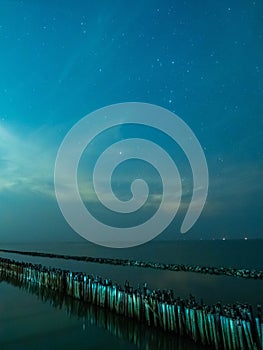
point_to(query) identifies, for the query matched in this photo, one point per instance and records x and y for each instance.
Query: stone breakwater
(228, 271)
(217, 326)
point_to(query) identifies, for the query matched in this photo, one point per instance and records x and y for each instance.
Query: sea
(37, 322)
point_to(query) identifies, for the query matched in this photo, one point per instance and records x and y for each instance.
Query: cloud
(26, 161)
(27, 164)
(239, 185)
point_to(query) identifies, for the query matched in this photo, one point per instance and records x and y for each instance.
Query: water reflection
(141, 336)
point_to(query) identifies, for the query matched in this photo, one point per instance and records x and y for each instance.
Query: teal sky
(63, 60)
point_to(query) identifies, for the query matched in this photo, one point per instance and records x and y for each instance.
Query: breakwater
(212, 270)
(218, 326)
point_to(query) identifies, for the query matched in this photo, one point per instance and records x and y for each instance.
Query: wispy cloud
(26, 161)
(238, 185)
(27, 165)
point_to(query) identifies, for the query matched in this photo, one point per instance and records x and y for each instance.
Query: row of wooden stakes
(128, 329)
(219, 326)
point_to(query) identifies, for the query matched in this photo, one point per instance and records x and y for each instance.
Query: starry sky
(62, 60)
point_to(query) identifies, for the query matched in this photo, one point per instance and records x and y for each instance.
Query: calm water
(28, 323)
(28, 320)
(34, 318)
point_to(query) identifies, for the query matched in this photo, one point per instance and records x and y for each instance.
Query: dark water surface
(33, 324)
(29, 323)
(36, 318)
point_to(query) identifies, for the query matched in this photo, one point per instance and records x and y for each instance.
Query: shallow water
(33, 324)
(39, 319)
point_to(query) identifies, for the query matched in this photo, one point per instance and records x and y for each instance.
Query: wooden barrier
(123, 328)
(219, 326)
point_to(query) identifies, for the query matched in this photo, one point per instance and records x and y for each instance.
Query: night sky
(61, 60)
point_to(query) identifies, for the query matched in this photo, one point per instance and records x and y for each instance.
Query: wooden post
(229, 327)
